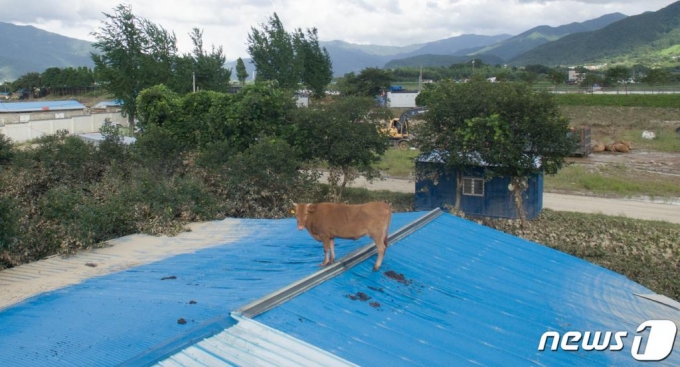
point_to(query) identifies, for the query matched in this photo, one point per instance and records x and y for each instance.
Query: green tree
(209, 67)
(134, 54)
(317, 69)
(290, 59)
(618, 75)
(207, 117)
(28, 81)
(241, 72)
(345, 134)
(369, 83)
(557, 77)
(590, 80)
(156, 105)
(528, 77)
(656, 76)
(273, 54)
(506, 125)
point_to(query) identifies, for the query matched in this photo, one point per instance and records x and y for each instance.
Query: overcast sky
(227, 23)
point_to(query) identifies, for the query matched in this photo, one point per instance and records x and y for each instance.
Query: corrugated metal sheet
(451, 293)
(250, 343)
(17, 107)
(133, 315)
(457, 293)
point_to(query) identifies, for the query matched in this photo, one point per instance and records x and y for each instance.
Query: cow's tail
(387, 230)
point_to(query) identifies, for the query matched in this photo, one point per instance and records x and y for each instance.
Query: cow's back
(349, 221)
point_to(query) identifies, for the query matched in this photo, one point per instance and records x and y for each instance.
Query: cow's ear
(311, 208)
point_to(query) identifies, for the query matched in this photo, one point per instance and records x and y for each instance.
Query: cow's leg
(380, 244)
(332, 250)
(327, 250)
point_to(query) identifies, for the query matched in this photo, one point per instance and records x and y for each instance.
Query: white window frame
(472, 189)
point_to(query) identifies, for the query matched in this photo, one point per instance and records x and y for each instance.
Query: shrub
(6, 150)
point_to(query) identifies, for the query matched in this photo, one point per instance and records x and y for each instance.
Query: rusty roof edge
(284, 294)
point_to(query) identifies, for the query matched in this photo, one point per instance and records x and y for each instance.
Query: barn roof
(450, 292)
(41, 106)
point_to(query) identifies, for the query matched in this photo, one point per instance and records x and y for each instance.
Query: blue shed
(450, 293)
(480, 196)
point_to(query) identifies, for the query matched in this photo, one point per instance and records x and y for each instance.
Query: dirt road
(561, 202)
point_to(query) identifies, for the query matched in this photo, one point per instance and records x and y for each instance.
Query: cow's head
(301, 212)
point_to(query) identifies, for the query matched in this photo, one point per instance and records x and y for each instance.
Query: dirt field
(610, 121)
(640, 160)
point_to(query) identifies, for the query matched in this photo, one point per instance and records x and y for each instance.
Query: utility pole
(193, 78)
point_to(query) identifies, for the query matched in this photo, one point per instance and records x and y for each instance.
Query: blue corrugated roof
(450, 293)
(41, 106)
(469, 295)
(111, 319)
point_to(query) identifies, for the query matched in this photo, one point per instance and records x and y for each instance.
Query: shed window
(473, 186)
(59, 115)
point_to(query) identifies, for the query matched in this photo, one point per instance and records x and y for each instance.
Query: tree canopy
(241, 72)
(515, 131)
(346, 135)
(290, 59)
(368, 83)
(134, 54)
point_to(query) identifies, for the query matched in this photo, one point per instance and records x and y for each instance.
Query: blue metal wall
(497, 202)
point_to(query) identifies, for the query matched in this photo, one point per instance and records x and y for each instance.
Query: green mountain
(440, 60)
(349, 57)
(25, 49)
(646, 38)
(540, 35)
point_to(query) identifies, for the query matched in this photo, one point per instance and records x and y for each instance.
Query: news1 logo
(658, 346)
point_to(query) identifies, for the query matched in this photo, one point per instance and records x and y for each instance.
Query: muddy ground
(645, 161)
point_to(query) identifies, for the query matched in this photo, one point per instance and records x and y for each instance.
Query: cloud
(227, 23)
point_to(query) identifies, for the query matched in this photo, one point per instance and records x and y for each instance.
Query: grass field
(612, 180)
(398, 163)
(619, 100)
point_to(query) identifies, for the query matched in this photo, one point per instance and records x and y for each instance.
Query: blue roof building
(480, 196)
(450, 292)
(40, 106)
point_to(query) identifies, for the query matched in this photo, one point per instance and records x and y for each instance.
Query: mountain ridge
(25, 49)
(643, 34)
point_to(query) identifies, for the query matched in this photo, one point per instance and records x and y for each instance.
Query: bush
(160, 151)
(260, 182)
(6, 150)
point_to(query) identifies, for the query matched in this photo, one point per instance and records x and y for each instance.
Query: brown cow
(326, 221)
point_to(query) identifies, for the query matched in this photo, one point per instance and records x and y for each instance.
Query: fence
(22, 132)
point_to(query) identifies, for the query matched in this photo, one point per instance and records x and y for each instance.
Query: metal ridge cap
(282, 295)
